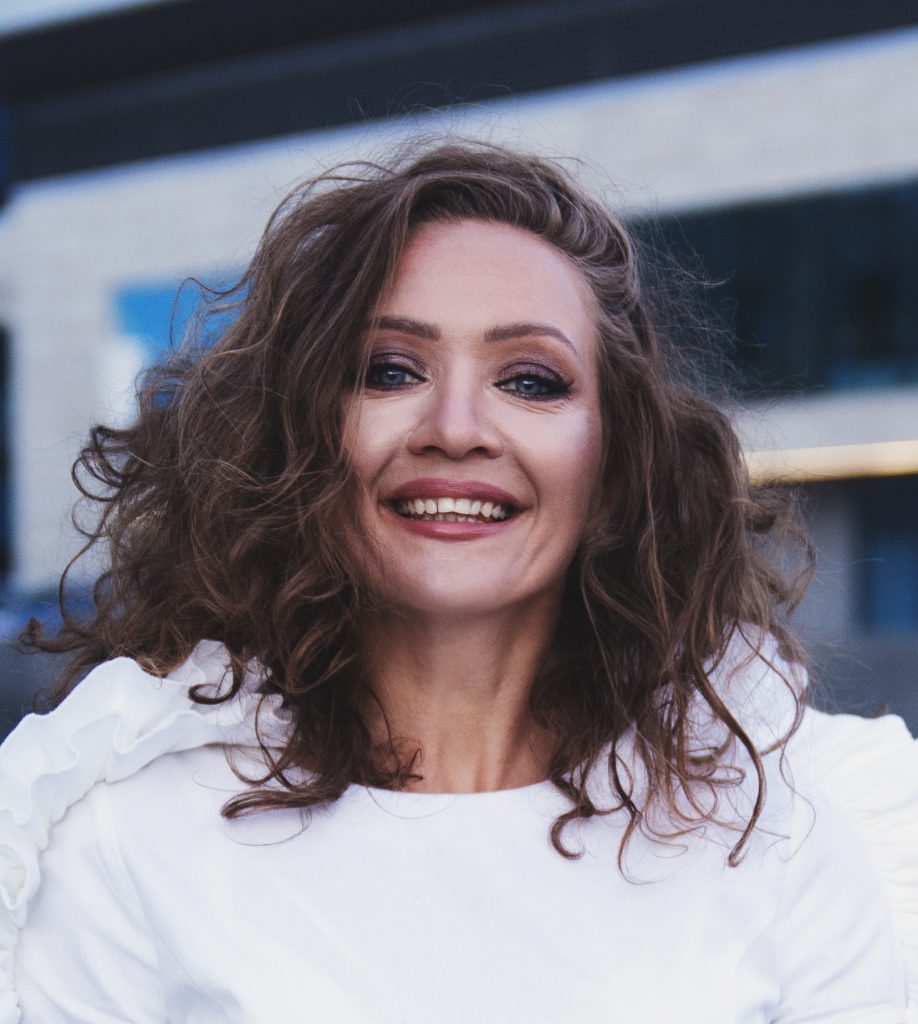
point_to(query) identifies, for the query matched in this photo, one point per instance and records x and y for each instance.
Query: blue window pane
(155, 314)
(159, 314)
(892, 581)
(887, 566)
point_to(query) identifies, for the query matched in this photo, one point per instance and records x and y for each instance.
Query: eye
(539, 384)
(388, 375)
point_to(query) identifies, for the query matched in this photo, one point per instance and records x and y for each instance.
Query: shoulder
(849, 786)
(866, 768)
(867, 765)
(116, 724)
(171, 812)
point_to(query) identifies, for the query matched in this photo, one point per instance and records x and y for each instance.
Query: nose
(457, 420)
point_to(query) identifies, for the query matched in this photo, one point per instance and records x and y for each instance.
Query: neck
(457, 689)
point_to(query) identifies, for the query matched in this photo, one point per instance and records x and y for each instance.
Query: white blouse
(397, 907)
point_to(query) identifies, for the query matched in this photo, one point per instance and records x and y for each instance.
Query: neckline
(421, 795)
(412, 804)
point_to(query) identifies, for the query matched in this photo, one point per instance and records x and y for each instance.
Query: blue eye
(386, 376)
(539, 386)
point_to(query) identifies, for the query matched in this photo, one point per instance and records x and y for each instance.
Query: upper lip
(437, 487)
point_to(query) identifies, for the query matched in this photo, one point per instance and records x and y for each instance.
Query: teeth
(452, 510)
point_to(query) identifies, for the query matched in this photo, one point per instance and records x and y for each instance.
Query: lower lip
(441, 529)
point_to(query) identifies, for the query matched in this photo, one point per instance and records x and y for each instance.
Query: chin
(461, 595)
(451, 603)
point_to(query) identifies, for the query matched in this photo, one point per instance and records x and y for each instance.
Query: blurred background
(774, 146)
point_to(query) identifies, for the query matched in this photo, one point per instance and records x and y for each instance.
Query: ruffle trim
(115, 722)
(870, 768)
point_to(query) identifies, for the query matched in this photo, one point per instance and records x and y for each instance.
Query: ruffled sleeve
(115, 722)
(867, 767)
(870, 768)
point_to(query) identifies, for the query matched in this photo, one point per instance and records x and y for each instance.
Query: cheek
(570, 453)
(367, 440)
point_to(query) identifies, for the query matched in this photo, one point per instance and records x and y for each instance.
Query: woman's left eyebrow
(503, 332)
(507, 332)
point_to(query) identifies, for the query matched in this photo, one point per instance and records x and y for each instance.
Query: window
(820, 291)
(888, 526)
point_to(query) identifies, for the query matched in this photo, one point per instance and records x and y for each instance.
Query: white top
(396, 907)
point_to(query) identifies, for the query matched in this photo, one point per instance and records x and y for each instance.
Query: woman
(439, 672)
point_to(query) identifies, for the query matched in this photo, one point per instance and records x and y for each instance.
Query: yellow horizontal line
(833, 462)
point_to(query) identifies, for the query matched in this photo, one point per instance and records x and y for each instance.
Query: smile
(452, 510)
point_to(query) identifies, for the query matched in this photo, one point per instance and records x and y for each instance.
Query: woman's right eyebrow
(406, 325)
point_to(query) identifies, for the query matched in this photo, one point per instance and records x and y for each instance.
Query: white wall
(826, 116)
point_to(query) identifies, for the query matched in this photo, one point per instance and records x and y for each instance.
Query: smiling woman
(467, 402)
(433, 557)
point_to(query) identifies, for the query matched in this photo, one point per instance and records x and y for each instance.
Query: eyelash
(554, 386)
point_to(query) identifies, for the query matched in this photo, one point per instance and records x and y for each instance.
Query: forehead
(466, 271)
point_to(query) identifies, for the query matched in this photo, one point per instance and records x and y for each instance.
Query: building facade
(778, 155)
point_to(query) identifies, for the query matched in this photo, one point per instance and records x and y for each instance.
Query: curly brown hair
(226, 511)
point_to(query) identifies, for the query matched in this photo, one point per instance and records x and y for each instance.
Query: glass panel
(820, 291)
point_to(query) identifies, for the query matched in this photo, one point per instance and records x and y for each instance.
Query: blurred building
(145, 142)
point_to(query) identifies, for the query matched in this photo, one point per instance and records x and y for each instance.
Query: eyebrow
(405, 325)
(507, 332)
(504, 332)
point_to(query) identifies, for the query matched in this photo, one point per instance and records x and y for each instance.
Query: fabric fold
(119, 719)
(870, 768)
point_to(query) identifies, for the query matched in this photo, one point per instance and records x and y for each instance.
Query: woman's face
(476, 437)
